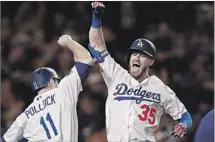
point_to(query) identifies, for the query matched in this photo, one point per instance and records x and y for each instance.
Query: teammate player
(136, 101)
(52, 116)
(205, 131)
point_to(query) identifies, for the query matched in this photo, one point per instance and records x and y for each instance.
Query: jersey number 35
(148, 114)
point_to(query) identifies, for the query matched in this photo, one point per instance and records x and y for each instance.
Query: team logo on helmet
(140, 43)
(35, 84)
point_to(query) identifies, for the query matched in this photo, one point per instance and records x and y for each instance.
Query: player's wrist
(184, 125)
(99, 56)
(96, 22)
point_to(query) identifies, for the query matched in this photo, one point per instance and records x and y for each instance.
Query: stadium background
(183, 33)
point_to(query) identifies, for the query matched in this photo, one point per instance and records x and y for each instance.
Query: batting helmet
(142, 45)
(41, 77)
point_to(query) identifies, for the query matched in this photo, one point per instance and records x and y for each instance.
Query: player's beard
(138, 73)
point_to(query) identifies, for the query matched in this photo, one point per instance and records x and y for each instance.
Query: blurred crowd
(183, 33)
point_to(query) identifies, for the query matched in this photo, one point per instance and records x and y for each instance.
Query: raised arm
(96, 38)
(80, 53)
(71, 84)
(111, 71)
(83, 59)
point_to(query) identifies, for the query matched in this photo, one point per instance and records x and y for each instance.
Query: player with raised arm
(52, 116)
(136, 100)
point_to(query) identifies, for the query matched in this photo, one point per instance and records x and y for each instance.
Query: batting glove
(179, 130)
(97, 9)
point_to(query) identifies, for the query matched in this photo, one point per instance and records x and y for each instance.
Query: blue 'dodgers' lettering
(124, 93)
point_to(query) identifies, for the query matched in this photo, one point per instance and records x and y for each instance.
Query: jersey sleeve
(71, 85)
(111, 70)
(173, 106)
(15, 132)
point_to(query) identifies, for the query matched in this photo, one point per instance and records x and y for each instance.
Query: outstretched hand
(97, 9)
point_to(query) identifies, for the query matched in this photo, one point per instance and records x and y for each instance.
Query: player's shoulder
(161, 85)
(29, 106)
(34, 102)
(156, 82)
(72, 74)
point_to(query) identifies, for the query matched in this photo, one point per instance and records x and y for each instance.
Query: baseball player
(205, 131)
(136, 101)
(52, 116)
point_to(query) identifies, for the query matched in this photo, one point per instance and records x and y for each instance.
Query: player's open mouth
(135, 65)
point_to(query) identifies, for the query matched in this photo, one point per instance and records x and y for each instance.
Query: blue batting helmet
(142, 45)
(41, 77)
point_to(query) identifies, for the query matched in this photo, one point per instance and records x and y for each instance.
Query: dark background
(183, 33)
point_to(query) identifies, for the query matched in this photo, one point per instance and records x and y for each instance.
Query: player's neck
(51, 85)
(44, 90)
(143, 77)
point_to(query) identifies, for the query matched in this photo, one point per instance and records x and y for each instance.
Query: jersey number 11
(49, 119)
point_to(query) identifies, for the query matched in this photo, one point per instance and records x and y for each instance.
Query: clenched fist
(65, 40)
(97, 9)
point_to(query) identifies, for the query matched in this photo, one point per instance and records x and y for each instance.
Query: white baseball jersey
(133, 109)
(52, 116)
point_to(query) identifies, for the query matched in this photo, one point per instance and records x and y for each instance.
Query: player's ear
(152, 62)
(53, 82)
